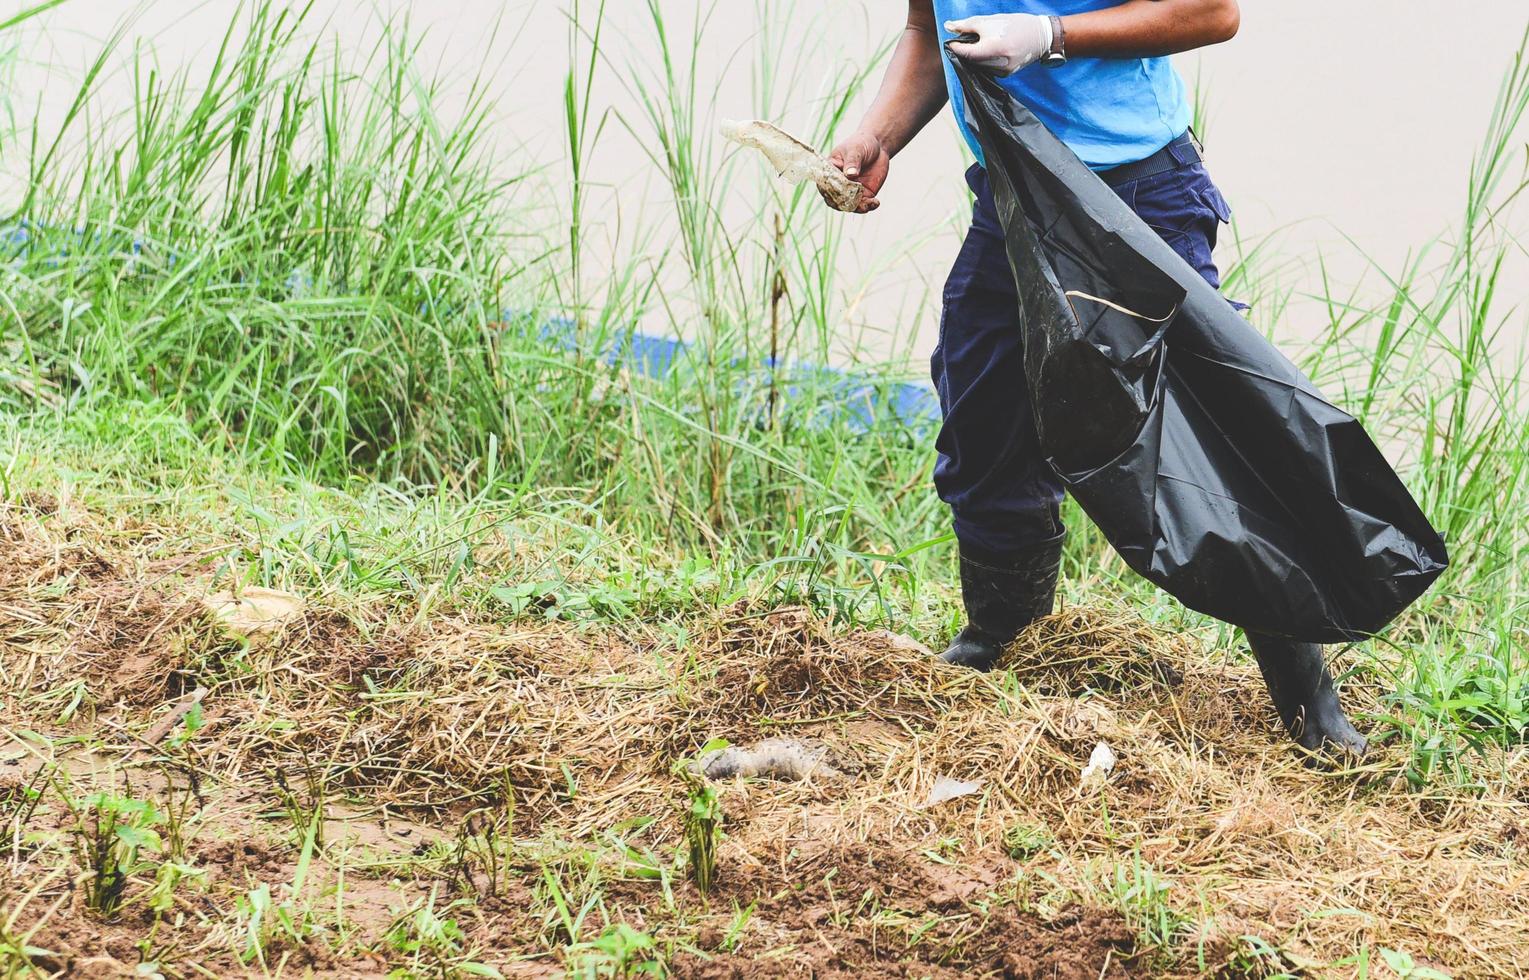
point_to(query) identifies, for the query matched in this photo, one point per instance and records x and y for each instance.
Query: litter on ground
(1101, 762)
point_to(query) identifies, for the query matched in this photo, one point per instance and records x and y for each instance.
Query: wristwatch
(1057, 56)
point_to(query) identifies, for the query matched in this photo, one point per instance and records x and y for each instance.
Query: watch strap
(1057, 55)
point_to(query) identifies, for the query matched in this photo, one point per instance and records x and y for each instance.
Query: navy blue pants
(1003, 494)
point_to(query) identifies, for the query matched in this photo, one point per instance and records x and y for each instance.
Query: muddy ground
(357, 792)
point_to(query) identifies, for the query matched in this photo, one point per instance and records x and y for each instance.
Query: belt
(1182, 152)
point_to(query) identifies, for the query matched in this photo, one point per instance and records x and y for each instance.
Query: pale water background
(1342, 129)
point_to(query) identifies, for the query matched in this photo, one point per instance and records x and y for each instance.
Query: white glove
(1006, 42)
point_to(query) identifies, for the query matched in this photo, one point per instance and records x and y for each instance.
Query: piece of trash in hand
(1100, 764)
(775, 758)
(795, 161)
(946, 789)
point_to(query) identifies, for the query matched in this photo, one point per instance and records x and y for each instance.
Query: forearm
(1150, 28)
(913, 91)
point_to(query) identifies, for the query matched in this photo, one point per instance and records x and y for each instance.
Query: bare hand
(864, 160)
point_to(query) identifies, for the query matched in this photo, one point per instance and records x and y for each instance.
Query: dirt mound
(793, 667)
(82, 616)
(1082, 650)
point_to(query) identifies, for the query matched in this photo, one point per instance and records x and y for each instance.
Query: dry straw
(588, 726)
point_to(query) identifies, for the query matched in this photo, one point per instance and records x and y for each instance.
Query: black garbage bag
(1213, 466)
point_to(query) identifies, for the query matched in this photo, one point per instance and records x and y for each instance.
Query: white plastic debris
(898, 641)
(795, 161)
(254, 610)
(946, 789)
(1100, 764)
(776, 758)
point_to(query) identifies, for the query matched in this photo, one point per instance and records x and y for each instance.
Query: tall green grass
(1435, 367)
(296, 261)
(325, 266)
(300, 256)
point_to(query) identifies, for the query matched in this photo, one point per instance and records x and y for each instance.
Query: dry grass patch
(518, 781)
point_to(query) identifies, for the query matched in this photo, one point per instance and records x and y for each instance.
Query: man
(1096, 73)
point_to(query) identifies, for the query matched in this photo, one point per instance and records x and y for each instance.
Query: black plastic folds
(1208, 460)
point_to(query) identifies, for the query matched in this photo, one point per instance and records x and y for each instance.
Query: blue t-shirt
(1110, 111)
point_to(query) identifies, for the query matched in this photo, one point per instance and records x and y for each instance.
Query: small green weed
(1406, 968)
(194, 721)
(169, 877)
(1135, 888)
(1399, 964)
(434, 944)
(569, 902)
(1256, 959)
(266, 924)
(636, 862)
(1025, 840)
(110, 833)
(702, 822)
(620, 951)
(306, 809)
(732, 938)
(485, 846)
(18, 804)
(180, 802)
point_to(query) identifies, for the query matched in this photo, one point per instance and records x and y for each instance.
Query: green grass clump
(111, 831)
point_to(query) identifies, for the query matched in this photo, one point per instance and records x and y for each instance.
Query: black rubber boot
(1001, 601)
(1302, 689)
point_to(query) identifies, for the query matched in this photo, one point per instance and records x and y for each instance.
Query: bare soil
(566, 740)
